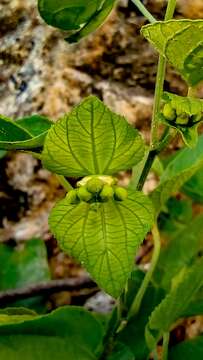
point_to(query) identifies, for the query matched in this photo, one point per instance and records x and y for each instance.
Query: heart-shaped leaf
(185, 105)
(79, 16)
(104, 236)
(25, 133)
(66, 333)
(92, 140)
(181, 42)
(187, 350)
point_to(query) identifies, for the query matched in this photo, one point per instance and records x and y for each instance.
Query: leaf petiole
(144, 11)
(64, 182)
(166, 338)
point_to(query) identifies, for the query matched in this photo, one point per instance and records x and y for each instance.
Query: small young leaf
(182, 168)
(188, 350)
(174, 304)
(91, 140)
(181, 42)
(190, 115)
(25, 133)
(104, 236)
(66, 333)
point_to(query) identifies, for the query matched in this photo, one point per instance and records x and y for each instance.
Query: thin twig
(46, 288)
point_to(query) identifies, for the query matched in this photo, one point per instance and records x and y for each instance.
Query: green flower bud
(83, 194)
(106, 193)
(168, 112)
(94, 185)
(182, 119)
(120, 194)
(72, 197)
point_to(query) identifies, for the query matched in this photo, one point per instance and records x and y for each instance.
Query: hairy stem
(166, 338)
(144, 11)
(141, 292)
(160, 82)
(65, 183)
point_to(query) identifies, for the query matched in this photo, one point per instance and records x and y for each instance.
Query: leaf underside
(25, 133)
(92, 140)
(103, 236)
(181, 42)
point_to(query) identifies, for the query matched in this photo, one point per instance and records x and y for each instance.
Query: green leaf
(104, 236)
(97, 20)
(25, 133)
(181, 169)
(188, 350)
(91, 140)
(67, 333)
(174, 304)
(24, 265)
(2, 153)
(80, 16)
(121, 352)
(181, 42)
(187, 105)
(179, 252)
(194, 187)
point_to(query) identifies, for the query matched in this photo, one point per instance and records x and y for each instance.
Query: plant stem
(166, 338)
(144, 11)
(150, 159)
(140, 294)
(160, 82)
(34, 154)
(67, 186)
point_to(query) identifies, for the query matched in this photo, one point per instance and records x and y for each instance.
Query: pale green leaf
(188, 350)
(25, 133)
(104, 237)
(91, 140)
(66, 333)
(175, 302)
(181, 169)
(181, 42)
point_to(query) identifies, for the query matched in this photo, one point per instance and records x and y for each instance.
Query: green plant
(102, 224)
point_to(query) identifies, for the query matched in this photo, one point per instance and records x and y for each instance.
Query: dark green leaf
(175, 303)
(26, 133)
(194, 187)
(188, 350)
(80, 16)
(121, 352)
(67, 333)
(181, 169)
(104, 236)
(181, 42)
(98, 18)
(92, 140)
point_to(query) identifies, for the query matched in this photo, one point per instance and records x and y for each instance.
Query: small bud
(106, 193)
(83, 194)
(94, 185)
(72, 197)
(120, 194)
(168, 112)
(182, 119)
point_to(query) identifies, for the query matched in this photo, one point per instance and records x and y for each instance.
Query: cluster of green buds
(97, 189)
(175, 117)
